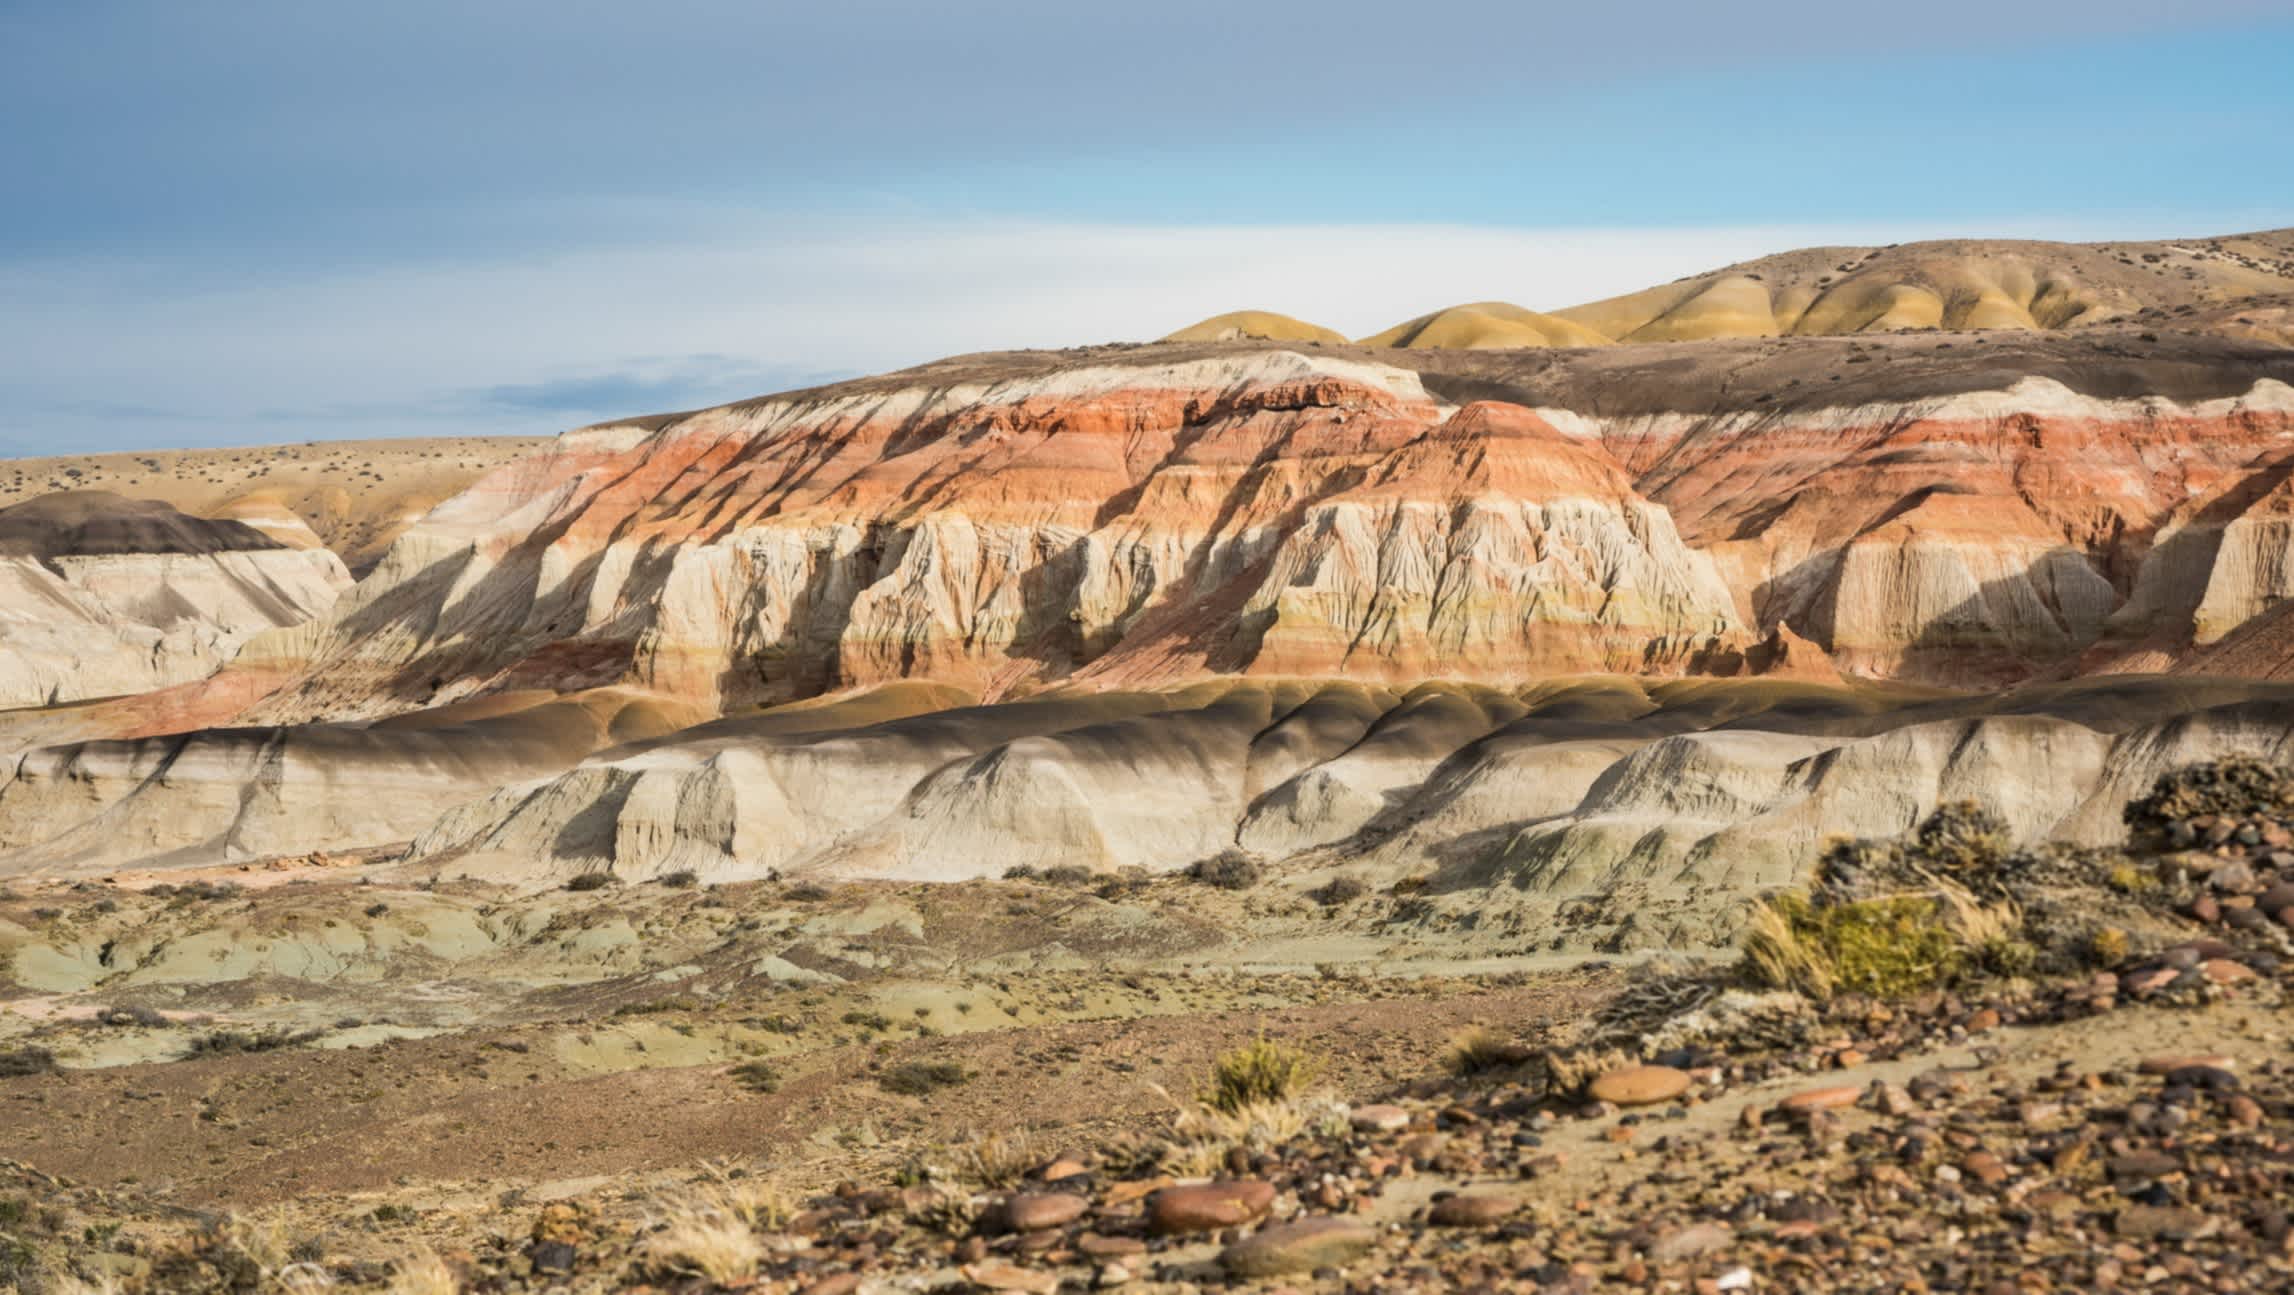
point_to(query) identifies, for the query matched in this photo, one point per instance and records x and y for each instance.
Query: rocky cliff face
(1493, 617)
(1173, 513)
(1256, 511)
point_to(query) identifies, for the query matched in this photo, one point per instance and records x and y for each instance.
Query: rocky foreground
(1951, 1066)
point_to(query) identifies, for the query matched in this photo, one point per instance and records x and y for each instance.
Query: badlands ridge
(1598, 634)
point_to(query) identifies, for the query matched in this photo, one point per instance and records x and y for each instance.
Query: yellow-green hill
(1256, 325)
(1487, 326)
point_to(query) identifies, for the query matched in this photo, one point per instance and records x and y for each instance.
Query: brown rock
(1820, 1099)
(1472, 1210)
(2148, 982)
(997, 1275)
(1639, 1085)
(2171, 1062)
(1208, 1206)
(1106, 1247)
(1985, 1168)
(1891, 1100)
(1126, 1192)
(1380, 1118)
(1040, 1210)
(1689, 1242)
(2223, 971)
(1301, 1246)
(2169, 1222)
(1423, 1146)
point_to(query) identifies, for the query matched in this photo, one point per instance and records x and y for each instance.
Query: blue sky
(264, 220)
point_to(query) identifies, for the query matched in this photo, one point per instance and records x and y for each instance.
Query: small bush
(592, 881)
(808, 892)
(149, 1017)
(682, 879)
(1020, 872)
(2237, 786)
(1963, 836)
(26, 1061)
(1478, 1050)
(2129, 879)
(919, 1078)
(1887, 948)
(377, 909)
(757, 1076)
(654, 1006)
(876, 1021)
(225, 1043)
(1230, 870)
(1067, 874)
(2108, 947)
(1339, 891)
(1260, 1073)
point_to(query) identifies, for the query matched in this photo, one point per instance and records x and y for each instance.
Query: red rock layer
(1269, 512)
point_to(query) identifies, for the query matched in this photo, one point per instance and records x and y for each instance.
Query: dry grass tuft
(757, 1204)
(1478, 1050)
(423, 1273)
(699, 1237)
(999, 1160)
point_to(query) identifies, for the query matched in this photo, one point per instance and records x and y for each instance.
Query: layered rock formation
(1630, 622)
(1263, 511)
(102, 596)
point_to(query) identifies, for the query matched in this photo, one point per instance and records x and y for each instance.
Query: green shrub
(1339, 891)
(1887, 948)
(1229, 870)
(757, 1076)
(592, 881)
(224, 1043)
(26, 1061)
(1262, 1072)
(919, 1078)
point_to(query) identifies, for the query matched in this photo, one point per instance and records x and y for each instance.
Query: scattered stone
(1472, 1210)
(1035, 1212)
(1690, 1242)
(1639, 1085)
(2165, 1222)
(997, 1275)
(1820, 1099)
(1301, 1246)
(2167, 1065)
(1380, 1118)
(1209, 1206)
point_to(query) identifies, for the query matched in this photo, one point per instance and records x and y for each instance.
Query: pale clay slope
(77, 626)
(1528, 808)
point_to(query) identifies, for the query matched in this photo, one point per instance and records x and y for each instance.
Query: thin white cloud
(433, 349)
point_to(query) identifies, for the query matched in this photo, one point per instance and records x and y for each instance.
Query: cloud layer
(108, 355)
